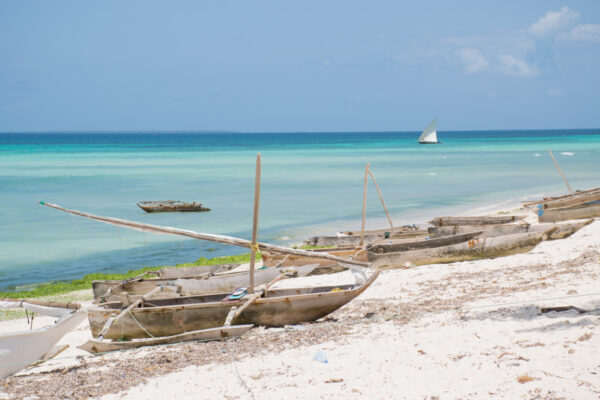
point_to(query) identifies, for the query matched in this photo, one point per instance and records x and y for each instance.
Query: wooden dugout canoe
(173, 316)
(352, 238)
(405, 245)
(589, 210)
(271, 259)
(193, 285)
(482, 247)
(222, 332)
(170, 206)
(577, 193)
(502, 219)
(563, 230)
(571, 201)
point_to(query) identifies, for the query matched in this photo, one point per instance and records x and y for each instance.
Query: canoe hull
(291, 306)
(591, 210)
(472, 250)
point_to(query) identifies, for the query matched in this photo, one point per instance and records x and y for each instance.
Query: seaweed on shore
(54, 288)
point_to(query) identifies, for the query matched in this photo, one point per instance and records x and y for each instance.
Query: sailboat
(429, 135)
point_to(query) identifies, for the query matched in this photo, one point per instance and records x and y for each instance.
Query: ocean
(312, 183)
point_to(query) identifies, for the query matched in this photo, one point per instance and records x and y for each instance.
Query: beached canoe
(577, 193)
(20, 349)
(406, 245)
(503, 219)
(572, 201)
(192, 285)
(482, 247)
(563, 230)
(588, 210)
(173, 316)
(170, 206)
(270, 259)
(352, 238)
(203, 335)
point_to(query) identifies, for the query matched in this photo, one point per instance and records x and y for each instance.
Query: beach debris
(320, 357)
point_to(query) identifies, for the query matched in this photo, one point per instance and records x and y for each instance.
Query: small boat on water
(21, 349)
(429, 135)
(170, 206)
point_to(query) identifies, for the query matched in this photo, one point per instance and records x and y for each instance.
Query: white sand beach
(477, 329)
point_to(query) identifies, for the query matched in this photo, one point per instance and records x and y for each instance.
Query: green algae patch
(55, 288)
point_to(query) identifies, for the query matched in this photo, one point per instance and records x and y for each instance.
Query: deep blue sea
(311, 183)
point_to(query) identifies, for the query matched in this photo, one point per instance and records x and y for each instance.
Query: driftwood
(422, 244)
(504, 219)
(473, 249)
(590, 210)
(101, 346)
(172, 316)
(203, 236)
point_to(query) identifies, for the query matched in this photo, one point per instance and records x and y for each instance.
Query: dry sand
(463, 330)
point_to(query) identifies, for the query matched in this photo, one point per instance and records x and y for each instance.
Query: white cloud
(554, 21)
(585, 32)
(473, 60)
(513, 66)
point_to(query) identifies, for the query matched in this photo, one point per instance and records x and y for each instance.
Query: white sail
(429, 135)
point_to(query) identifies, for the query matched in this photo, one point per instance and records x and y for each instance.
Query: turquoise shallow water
(311, 182)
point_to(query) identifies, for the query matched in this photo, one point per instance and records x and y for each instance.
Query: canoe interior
(406, 244)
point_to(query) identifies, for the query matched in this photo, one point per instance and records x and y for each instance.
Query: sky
(281, 66)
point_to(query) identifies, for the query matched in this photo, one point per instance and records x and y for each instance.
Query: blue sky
(298, 66)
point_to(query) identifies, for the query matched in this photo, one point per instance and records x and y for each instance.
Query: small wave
(537, 155)
(432, 173)
(443, 157)
(567, 153)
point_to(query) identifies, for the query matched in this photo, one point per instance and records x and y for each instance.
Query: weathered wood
(73, 306)
(193, 286)
(271, 259)
(406, 245)
(364, 210)
(253, 247)
(382, 201)
(471, 250)
(560, 171)
(566, 196)
(182, 314)
(571, 201)
(136, 303)
(197, 271)
(503, 219)
(563, 230)
(170, 206)
(202, 236)
(337, 241)
(589, 210)
(222, 332)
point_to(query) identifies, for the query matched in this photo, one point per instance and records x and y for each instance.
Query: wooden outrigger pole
(560, 172)
(206, 236)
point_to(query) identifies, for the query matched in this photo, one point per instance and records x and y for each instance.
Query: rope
(254, 247)
(140, 325)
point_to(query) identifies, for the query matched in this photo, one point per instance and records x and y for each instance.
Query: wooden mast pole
(364, 214)
(382, 202)
(560, 171)
(253, 245)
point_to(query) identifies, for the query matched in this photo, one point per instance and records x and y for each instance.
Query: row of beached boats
(219, 301)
